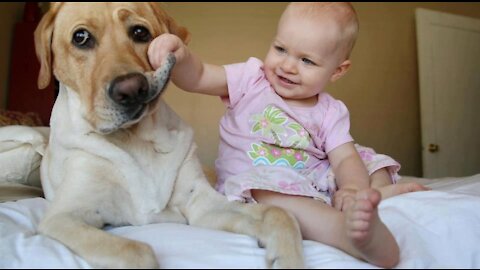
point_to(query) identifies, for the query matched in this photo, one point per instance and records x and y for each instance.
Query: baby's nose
(289, 65)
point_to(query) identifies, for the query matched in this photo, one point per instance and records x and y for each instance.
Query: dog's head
(100, 51)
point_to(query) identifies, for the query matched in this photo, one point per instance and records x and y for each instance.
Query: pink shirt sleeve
(240, 77)
(336, 125)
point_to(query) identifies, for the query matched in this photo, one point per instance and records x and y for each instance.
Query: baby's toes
(361, 215)
(412, 187)
(363, 206)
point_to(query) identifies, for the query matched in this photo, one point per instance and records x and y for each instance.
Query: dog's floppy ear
(43, 40)
(180, 31)
(170, 23)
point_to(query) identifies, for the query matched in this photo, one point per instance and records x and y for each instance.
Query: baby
(286, 142)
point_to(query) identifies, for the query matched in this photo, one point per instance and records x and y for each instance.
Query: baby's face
(303, 57)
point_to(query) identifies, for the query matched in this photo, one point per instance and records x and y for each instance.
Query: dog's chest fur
(136, 166)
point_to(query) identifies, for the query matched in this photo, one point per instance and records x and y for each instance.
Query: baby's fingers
(161, 47)
(338, 202)
(156, 53)
(348, 202)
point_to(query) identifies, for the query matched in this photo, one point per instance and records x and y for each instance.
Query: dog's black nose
(129, 90)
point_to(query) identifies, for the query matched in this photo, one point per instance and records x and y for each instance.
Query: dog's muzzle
(131, 93)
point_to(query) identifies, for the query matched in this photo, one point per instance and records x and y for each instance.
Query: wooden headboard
(23, 93)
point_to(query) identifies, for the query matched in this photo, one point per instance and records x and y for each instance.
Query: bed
(435, 229)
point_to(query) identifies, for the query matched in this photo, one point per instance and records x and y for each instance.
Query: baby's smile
(285, 80)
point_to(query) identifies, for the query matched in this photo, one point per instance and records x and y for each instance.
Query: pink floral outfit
(266, 144)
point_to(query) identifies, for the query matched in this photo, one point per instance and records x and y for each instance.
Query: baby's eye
(308, 61)
(279, 49)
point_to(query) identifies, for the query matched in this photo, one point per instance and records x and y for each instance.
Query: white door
(449, 75)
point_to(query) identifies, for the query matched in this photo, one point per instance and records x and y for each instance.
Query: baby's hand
(343, 197)
(162, 45)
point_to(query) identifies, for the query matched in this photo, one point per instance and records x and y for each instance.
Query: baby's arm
(189, 72)
(351, 175)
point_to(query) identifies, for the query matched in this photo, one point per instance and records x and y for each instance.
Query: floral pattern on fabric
(289, 136)
(268, 154)
(270, 123)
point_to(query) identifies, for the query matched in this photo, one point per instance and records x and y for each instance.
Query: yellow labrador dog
(118, 154)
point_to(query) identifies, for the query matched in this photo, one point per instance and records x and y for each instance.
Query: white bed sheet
(435, 229)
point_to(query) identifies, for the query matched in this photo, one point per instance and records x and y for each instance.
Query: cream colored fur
(102, 169)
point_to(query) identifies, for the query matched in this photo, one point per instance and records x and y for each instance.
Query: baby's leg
(354, 231)
(381, 180)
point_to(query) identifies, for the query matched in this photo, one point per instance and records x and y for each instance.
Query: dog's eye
(83, 39)
(140, 34)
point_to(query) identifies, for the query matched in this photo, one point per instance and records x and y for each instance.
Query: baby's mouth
(283, 79)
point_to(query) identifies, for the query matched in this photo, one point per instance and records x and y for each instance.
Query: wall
(10, 13)
(381, 89)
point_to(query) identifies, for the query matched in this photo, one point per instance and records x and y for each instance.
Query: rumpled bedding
(434, 229)
(21, 151)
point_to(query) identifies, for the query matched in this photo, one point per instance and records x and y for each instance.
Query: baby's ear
(341, 70)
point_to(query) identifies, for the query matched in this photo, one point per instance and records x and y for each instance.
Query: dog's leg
(100, 249)
(275, 229)
(83, 203)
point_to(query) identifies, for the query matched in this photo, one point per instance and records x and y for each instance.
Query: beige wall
(10, 13)
(381, 89)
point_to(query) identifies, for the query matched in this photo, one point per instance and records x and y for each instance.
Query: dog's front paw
(128, 255)
(290, 262)
(143, 257)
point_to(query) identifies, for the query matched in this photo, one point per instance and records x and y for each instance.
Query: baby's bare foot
(362, 215)
(401, 188)
(367, 233)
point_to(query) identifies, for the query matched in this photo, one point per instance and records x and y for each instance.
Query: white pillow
(21, 151)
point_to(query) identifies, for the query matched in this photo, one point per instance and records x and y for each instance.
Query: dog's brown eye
(140, 34)
(83, 39)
